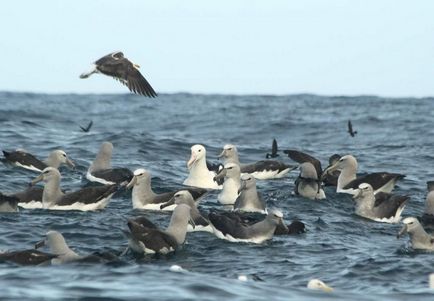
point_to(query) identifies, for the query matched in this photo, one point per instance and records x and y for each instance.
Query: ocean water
(361, 259)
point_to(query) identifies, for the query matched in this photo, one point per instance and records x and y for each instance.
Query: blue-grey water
(361, 259)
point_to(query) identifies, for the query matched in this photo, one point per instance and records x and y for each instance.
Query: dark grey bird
(86, 128)
(88, 198)
(348, 181)
(350, 129)
(26, 160)
(381, 207)
(200, 222)
(329, 179)
(143, 197)
(122, 69)
(234, 230)
(8, 203)
(101, 170)
(274, 150)
(149, 240)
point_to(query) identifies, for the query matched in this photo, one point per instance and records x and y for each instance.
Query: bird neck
(52, 192)
(102, 161)
(429, 204)
(143, 193)
(52, 161)
(178, 227)
(347, 175)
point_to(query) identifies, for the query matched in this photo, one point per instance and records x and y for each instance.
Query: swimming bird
(316, 284)
(87, 128)
(348, 182)
(234, 230)
(26, 160)
(262, 170)
(231, 175)
(308, 184)
(30, 198)
(200, 222)
(296, 227)
(249, 199)
(329, 179)
(8, 203)
(27, 257)
(350, 129)
(274, 150)
(151, 240)
(122, 69)
(101, 170)
(427, 218)
(199, 174)
(88, 198)
(380, 207)
(143, 197)
(419, 239)
(58, 247)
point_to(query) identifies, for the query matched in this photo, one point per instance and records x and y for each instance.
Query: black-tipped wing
(274, 148)
(265, 165)
(376, 180)
(215, 167)
(115, 175)
(124, 71)
(301, 157)
(87, 195)
(197, 193)
(387, 204)
(33, 193)
(144, 222)
(26, 257)
(152, 238)
(163, 197)
(25, 159)
(227, 225)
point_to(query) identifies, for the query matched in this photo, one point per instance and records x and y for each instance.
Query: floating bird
(151, 240)
(348, 182)
(8, 203)
(27, 257)
(25, 160)
(308, 184)
(101, 170)
(122, 69)
(231, 175)
(87, 128)
(329, 179)
(274, 150)
(419, 239)
(249, 199)
(143, 197)
(199, 174)
(316, 284)
(381, 207)
(262, 170)
(88, 198)
(234, 230)
(427, 218)
(296, 227)
(350, 129)
(200, 222)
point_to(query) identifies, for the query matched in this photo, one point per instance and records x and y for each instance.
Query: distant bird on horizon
(125, 71)
(350, 129)
(87, 128)
(274, 150)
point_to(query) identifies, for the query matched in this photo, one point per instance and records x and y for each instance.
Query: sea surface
(361, 259)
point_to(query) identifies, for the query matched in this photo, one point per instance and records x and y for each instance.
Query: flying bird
(350, 129)
(87, 128)
(122, 69)
(274, 150)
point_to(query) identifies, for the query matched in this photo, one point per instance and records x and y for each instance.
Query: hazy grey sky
(226, 46)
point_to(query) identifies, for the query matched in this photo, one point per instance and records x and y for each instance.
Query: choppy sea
(361, 259)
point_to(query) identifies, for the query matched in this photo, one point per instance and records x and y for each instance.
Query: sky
(334, 47)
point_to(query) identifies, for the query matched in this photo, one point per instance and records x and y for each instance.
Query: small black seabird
(274, 150)
(350, 129)
(125, 71)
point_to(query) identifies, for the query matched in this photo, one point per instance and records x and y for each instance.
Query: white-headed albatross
(199, 174)
(419, 239)
(262, 170)
(88, 198)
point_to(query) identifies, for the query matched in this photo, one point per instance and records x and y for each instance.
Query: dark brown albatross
(122, 69)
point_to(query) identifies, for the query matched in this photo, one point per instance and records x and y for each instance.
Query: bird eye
(340, 160)
(64, 155)
(230, 148)
(47, 171)
(229, 167)
(411, 223)
(199, 150)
